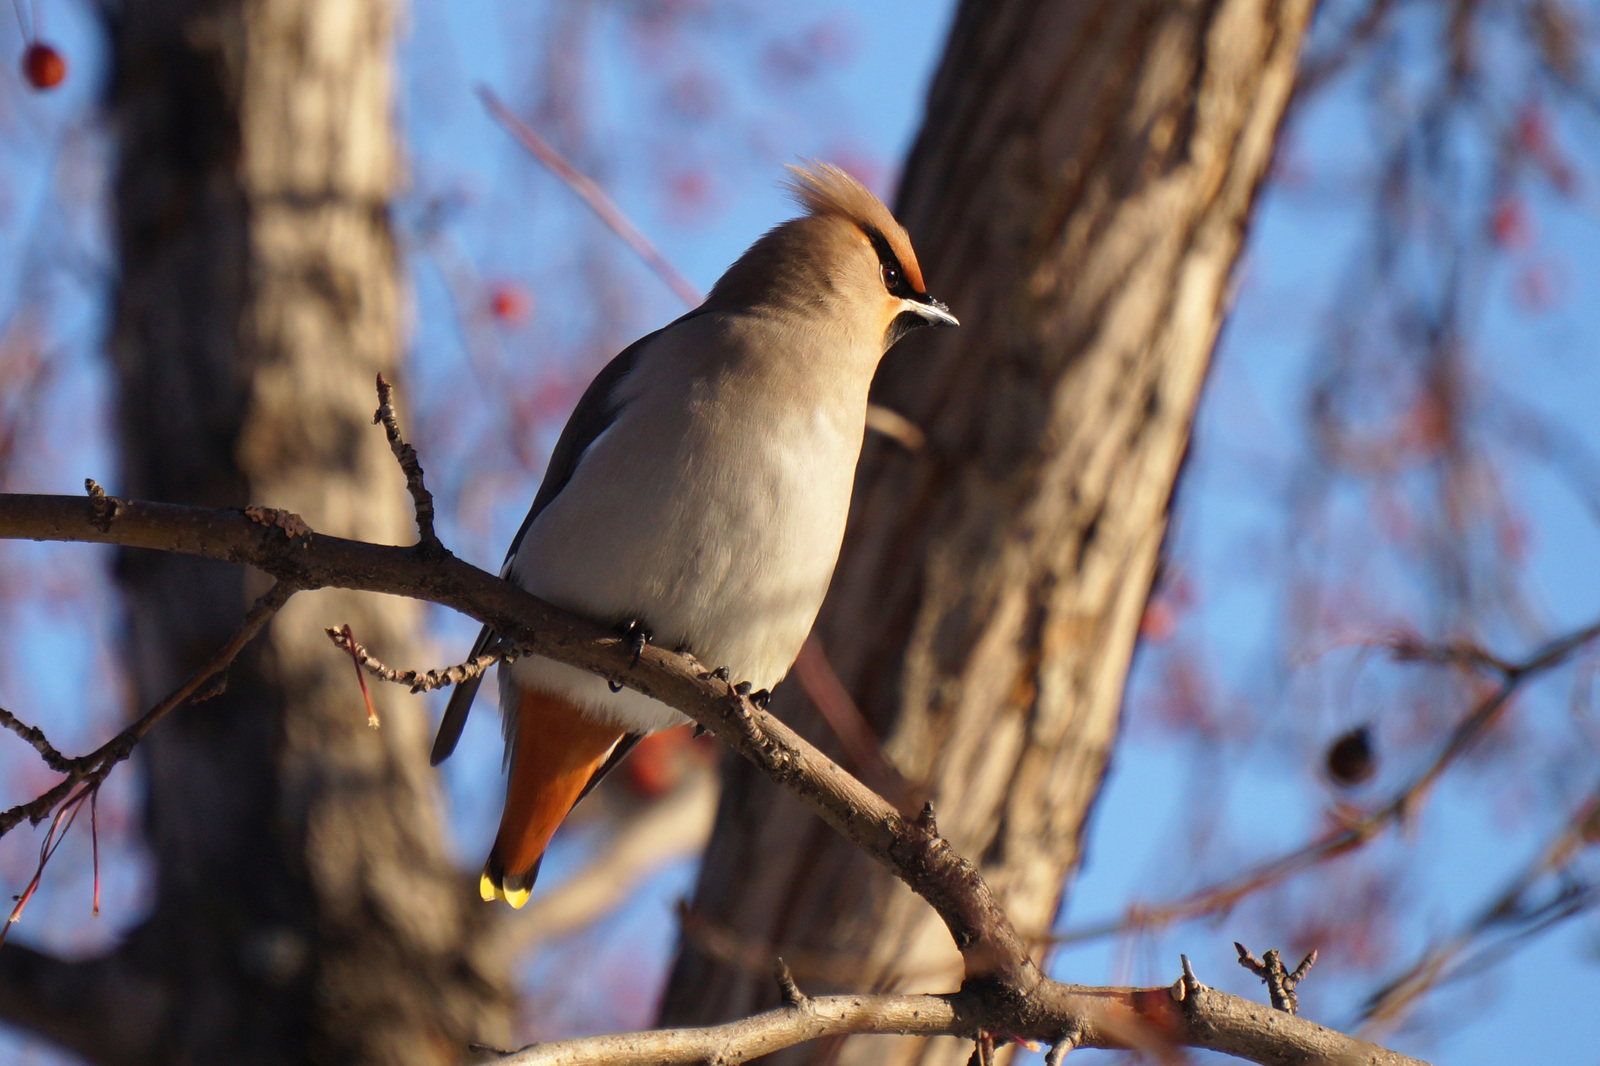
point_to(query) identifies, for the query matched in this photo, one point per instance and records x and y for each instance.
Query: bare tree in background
(306, 909)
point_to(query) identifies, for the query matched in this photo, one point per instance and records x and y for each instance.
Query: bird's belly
(729, 563)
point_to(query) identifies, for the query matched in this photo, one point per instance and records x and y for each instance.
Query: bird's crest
(824, 189)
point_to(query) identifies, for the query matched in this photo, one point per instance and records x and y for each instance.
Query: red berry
(1509, 224)
(510, 304)
(43, 66)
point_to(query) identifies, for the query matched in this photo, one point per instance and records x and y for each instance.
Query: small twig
(406, 455)
(590, 192)
(349, 640)
(850, 727)
(891, 424)
(1058, 1050)
(102, 508)
(1510, 912)
(427, 680)
(896, 427)
(786, 985)
(94, 848)
(52, 840)
(93, 767)
(1188, 985)
(1280, 982)
(1406, 647)
(36, 740)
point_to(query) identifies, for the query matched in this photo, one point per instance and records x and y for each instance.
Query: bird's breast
(716, 522)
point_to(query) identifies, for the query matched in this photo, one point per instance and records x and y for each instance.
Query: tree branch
(1188, 1013)
(415, 681)
(1004, 992)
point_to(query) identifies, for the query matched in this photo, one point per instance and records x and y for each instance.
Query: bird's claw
(637, 637)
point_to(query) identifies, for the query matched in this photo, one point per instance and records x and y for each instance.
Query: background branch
(102, 1009)
(1361, 830)
(91, 769)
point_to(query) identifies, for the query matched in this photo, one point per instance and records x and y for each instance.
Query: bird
(697, 497)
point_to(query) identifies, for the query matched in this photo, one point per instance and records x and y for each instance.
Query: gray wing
(596, 410)
(455, 712)
(618, 753)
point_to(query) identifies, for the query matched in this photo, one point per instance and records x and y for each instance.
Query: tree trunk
(1078, 195)
(305, 908)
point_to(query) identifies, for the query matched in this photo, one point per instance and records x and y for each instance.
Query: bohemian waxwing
(698, 494)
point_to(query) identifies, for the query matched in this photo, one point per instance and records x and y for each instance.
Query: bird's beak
(930, 311)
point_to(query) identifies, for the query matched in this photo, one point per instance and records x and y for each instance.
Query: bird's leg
(638, 636)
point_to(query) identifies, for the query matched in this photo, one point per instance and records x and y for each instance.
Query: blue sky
(505, 221)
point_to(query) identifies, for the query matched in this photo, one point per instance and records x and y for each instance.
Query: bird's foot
(637, 636)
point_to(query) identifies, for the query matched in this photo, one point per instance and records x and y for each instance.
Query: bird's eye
(891, 277)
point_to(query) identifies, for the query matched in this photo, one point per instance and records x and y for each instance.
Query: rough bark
(1079, 195)
(305, 909)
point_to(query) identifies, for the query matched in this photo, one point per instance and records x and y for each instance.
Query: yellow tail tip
(489, 890)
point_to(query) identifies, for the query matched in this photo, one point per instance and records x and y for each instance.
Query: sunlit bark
(1078, 194)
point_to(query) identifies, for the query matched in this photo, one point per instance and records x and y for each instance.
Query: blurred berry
(510, 304)
(1351, 758)
(43, 66)
(658, 763)
(1509, 225)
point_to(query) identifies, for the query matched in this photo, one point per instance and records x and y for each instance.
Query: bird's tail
(557, 749)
